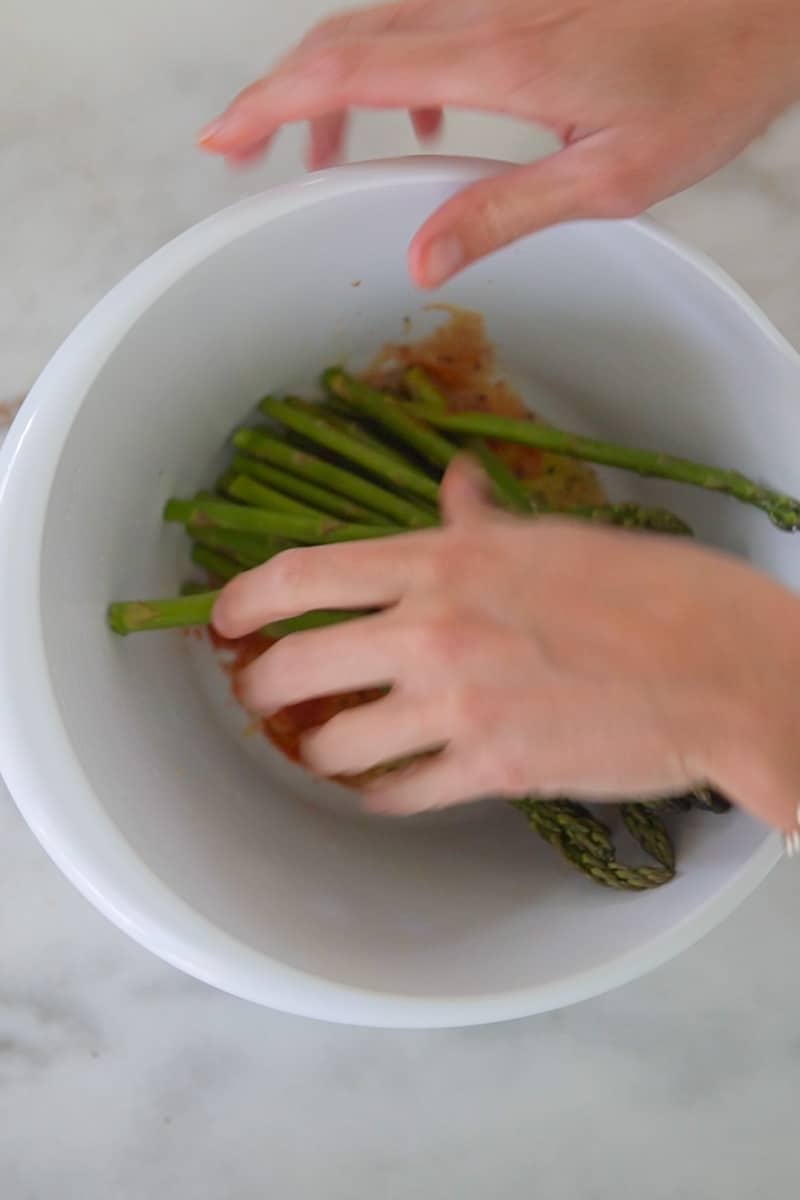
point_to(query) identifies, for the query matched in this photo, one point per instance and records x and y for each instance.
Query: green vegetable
(376, 462)
(389, 413)
(259, 495)
(320, 499)
(195, 608)
(315, 470)
(287, 496)
(247, 549)
(585, 843)
(627, 516)
(307, 529)
(217, 565)
(783, 510)
(175, 612)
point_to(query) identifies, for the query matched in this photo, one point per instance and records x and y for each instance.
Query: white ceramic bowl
(127, 758)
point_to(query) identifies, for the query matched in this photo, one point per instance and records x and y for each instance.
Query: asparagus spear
(703, 798)
(319, 498)
(247, 549)
(195, 608)
(579, 838)
(339, 419)
(385, 410)
(318, 619)
(627, 516)
(650, 832)
(217, 565)
(509, 491)
(174, 612)
(421, 388)
(260, 495)
(507, 488)
(316, 470)
(257, 495)
(783, 510)
(389, 413)
(307, 529)
(378, 463)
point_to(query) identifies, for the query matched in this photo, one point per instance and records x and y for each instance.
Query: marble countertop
(121, 1078)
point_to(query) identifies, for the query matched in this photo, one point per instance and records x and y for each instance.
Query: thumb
(580, 181)
(464, 494)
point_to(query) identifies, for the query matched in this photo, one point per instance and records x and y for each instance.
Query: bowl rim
(37, 761)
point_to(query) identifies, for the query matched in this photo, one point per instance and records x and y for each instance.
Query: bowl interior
(607, 330)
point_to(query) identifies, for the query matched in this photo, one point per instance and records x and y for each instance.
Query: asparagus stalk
(315, 470)
(377, 462)
(647, 828)
(421, 388)
(174, 612)
(585, 843)
(509, 491)
(389, 413)
(260, 495)
(247, 549)
(507, 488)
(317, 619)
(386, 411)
(257, 495)
(321, 499)
(217, 565)
(307, 529)
(704, 799)
(339, 419)
(195, 608)
(783, 510)
(627, 516)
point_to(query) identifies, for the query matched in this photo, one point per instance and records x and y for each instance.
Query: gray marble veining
(121, 1078)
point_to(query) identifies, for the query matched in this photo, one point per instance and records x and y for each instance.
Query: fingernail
(225, 131)
(210, 132)
(445, 256)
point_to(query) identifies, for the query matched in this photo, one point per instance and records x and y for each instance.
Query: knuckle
(334, 63)
(327, 29)
(289, 570)
(231, 604)
(621, 190)
(491, 222)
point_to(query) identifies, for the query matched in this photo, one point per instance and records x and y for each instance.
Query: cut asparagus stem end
(174, 612)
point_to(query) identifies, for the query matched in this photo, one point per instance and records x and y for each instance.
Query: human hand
(541, 655)
(646, 99)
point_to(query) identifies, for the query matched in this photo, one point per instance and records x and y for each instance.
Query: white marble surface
(120, 1078)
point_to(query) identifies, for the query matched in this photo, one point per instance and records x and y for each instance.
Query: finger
(564, 186)
(326, 140)
(245, 158)
(401, 70)
(427, 123)
(464, 493)
(440, 782)
(379, 732)
(352, 657)
(369, 574)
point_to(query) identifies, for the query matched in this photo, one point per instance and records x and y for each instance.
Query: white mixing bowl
(127, 757)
